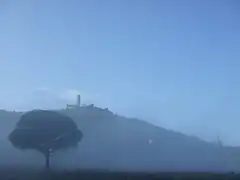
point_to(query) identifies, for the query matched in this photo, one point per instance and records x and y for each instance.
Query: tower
(78, 100)
(77, 105)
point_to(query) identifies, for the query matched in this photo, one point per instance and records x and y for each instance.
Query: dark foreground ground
(17, 174)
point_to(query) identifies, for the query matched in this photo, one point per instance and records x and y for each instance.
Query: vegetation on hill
(119, 143)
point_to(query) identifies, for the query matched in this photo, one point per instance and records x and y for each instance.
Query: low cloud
(46, 97)
(69, 95)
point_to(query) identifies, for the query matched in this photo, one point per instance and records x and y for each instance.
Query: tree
(46, 132)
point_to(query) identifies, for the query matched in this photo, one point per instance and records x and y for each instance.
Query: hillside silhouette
(115, 142)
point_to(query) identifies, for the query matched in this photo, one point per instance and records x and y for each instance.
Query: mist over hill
(118, 143)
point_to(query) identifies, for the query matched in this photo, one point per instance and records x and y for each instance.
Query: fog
(168, 71)
(113, 142)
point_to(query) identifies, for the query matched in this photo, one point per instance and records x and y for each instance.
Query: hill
(119, 143)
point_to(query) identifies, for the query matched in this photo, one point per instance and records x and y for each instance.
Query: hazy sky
(173, 63)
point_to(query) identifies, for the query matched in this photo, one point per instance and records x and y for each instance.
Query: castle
(75, 106)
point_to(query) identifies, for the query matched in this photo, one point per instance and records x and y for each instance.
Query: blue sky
(173, 63)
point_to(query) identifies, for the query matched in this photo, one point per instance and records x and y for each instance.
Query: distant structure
(219, 142)
(75, 106)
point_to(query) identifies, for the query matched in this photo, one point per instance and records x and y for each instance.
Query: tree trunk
(47, 156)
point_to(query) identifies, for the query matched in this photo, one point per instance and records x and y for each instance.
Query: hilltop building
(77, 105)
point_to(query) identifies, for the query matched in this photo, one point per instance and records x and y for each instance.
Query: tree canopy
(43, 130)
